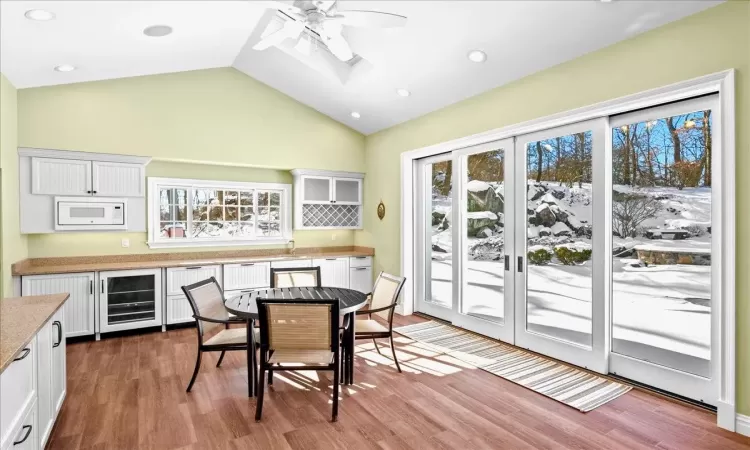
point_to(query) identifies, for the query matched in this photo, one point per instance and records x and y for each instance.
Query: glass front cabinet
(327, 200)
(129, 299)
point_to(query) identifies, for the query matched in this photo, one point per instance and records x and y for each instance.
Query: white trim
(87, 156)
(743, 425)
(722, 82)
(327, 173)
(153, 213)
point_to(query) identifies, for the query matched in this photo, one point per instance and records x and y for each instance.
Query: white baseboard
(743, 425)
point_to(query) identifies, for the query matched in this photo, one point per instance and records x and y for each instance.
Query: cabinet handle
(248, 264)
(59, 333)
(91, 286)
(193, 268)
(507, 262)
(361, 268)
(94, 192)
(25, 352)
(102, 283)
(330, 259)
(25, 436)
(360, 257)
(88, 192)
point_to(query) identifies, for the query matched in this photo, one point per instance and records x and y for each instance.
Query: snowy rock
(536, 191)
(533, 232)
(549, 198)
(437, 217)
(437, 248)
(573, 223)
(483, 197)
(444, 225)
(485, 233)
(544, 231)
(560, 229)
(488, 249)
(477, 220)
(543, 216)
(561, 215)
(558, 194)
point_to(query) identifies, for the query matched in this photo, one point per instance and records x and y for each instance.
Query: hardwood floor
(129, 392)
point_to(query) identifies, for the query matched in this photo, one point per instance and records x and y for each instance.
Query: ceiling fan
(323, 18)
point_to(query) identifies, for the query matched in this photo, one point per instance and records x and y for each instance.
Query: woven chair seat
(231, 336)
(322, 357)
(369, 326)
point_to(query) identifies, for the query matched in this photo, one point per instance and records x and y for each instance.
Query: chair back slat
(295, 277)
(207, 300)
(299, 324)
(386, 291)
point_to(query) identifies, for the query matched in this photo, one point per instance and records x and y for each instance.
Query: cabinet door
(247, 275)
(17, 390)
(51, 176)
(58, 376)
(79, 309)
(183, 276)
(45, 338)
(317, 189)
(178, 310)
(347, 191)
(334, 272)
(26, 434)
(360, 279)
(112, 179)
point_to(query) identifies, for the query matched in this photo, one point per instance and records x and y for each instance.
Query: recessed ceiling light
(356, 115)
(39, 14)
(477, 56)
(403, 92)
(65, 68)
(157, 30)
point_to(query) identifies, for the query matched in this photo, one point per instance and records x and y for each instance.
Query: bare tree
(630, 211)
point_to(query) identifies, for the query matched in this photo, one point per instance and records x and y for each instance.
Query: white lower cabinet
(360, 279)
(247, 276)
(80, 309)
(33, 388)
(334, 272)
(178, 308)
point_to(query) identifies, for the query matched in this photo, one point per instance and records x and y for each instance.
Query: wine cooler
(129, 299)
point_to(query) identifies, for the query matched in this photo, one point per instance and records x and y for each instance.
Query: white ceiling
(104, 40)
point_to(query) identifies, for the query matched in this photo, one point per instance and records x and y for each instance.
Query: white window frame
(154, 236)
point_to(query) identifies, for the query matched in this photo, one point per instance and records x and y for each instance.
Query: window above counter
(200, 213)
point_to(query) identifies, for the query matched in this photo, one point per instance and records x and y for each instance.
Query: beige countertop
(41, 266)
(20, 319)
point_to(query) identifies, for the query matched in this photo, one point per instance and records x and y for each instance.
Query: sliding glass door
(560, 310)
(663, 247)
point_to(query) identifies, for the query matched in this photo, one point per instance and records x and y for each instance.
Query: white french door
(561, 261)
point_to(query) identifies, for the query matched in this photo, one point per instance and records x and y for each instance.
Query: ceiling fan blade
(281, 6)
(369, 19)
(291, 29)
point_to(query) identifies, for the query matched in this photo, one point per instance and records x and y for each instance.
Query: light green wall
(227, 125)
(708, 42)
(12, 244)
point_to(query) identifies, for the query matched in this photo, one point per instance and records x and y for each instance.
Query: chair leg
(376, 346)
(195, 371)
(261, 389)
(393, 349)
(221, 358)
(270, 377)
(336, 370)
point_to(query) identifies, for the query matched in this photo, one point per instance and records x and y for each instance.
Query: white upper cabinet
(52, 176)
(114, 179)
(68, 173)
(327, 200)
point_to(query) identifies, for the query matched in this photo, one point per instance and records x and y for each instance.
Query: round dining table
(245, 306)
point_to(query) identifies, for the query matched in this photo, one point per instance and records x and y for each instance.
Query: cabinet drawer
(360, 261)
(246, 275)
(178, 310)
(17, 390)
(183, 276)
(25, 435)
(360, 279)
(292, 263)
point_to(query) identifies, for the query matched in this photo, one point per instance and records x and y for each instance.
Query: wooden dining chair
(207, 301)
(298, 334)
(382, 302)
(295, 277)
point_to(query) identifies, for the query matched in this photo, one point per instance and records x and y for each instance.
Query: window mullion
(189, 206)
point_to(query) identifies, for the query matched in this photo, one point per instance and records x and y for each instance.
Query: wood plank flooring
(129, 392)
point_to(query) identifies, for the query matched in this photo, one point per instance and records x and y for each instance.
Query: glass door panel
(558, 259)
(662, 247)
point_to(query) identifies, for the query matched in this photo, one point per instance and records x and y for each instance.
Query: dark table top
(246, 306)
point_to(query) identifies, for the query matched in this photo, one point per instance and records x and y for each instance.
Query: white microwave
(90, 213)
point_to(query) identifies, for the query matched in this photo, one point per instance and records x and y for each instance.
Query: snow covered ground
(660, 313)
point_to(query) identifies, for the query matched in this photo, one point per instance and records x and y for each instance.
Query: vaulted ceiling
(428, 57)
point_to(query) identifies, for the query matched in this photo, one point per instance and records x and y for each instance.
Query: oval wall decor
(381, 210)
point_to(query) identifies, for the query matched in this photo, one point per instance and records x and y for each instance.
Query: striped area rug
(576, 388)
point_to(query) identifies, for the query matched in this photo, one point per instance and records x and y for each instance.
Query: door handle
(59, 333)
(520, 264)
(102, 286)
(507, 262)
(91, 286)
(26, 350)
(25, 436)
